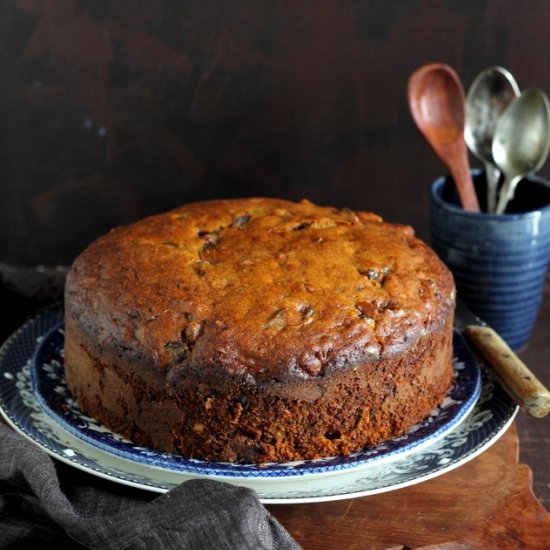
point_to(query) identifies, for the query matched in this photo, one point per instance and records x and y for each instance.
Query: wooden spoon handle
(462, 176)
(513, 375)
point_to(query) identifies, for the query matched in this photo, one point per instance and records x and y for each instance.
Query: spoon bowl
(436, 100)
(522, 141)
(490, 93)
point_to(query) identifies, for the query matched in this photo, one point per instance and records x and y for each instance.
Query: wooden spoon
(437, 103)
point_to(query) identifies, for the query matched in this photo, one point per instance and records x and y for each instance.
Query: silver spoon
(490, 93)
(522, 141)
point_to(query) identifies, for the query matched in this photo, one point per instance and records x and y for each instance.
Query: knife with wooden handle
(510, 371)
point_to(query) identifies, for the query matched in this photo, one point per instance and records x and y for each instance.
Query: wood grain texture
(487, 503)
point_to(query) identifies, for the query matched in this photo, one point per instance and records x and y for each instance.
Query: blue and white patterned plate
(48, 382)
(39, 416)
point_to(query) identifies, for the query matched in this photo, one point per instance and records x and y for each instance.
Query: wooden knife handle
(514, 376)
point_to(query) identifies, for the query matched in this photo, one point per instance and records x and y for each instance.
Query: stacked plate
(35, 401)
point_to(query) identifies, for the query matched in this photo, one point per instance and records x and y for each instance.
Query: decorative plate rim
(47, 379)
(487, 422)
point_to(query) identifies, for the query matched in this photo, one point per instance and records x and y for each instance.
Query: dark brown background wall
(111, 110)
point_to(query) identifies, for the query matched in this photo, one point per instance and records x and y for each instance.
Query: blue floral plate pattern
(35, 401)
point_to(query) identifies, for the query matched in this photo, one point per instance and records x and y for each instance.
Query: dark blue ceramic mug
(499, 262)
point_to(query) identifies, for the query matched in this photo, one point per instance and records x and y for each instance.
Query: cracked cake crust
(259, 329)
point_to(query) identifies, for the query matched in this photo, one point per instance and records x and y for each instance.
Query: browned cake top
(264, 288)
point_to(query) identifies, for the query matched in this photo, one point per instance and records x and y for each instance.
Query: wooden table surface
(534, 433)
(486, 503)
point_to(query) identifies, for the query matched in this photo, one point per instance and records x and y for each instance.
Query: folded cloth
(42, 500)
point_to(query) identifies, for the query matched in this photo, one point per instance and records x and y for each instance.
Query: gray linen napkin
(42, 500)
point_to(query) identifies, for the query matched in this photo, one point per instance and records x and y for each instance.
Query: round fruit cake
(257, 330)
